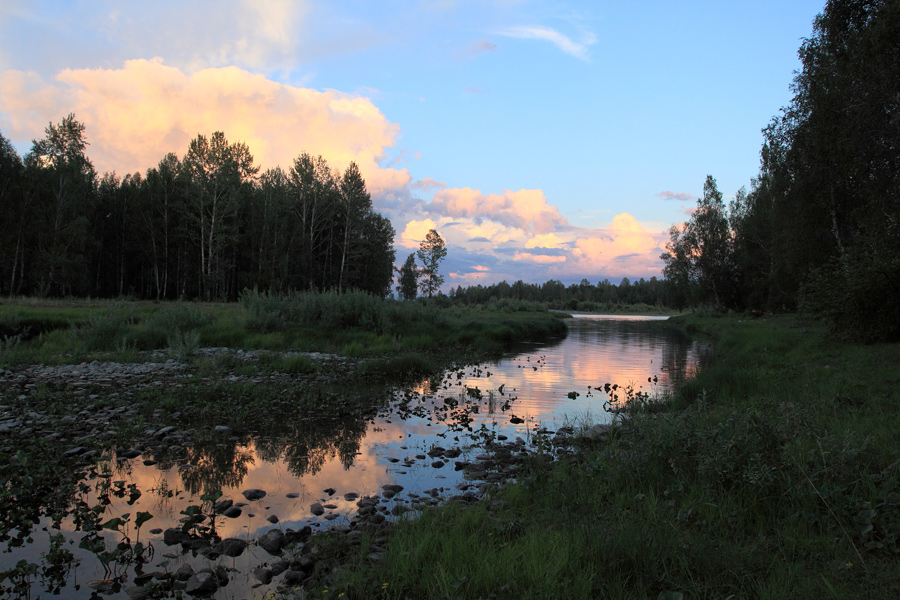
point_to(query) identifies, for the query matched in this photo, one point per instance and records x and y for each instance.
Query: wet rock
(516, 420)
(253, 494)
(278, 567)
(222, 430)
(292, 495)
(350, 496)
(596, 433)
(263, 575)
(232, 512)
(204, 583)
(196, 544)
(330, 491)
(74, 451)
(231, 547)
(452, 453)
(292, 578)
(138, 593)
(293, 537)
(104, 586)
(162, 433)
(392, 487)
(272, 541)
(222, 505)
(436, 451)
(317, 509)
(174, 536)
(272, 519)
(132, 453)
(437, 464)
(184, 572)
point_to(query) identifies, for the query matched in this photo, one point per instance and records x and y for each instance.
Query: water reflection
(354, 442)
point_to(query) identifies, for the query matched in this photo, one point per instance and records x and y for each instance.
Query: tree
(700, 252)
(355, 204)
(14, 211)
(408, 278)
(63, 182)
(830, 178)
(431, 252)
(218, 171)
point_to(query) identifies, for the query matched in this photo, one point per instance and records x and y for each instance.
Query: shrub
(183, 343)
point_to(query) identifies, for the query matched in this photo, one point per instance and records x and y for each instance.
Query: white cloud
(560, 40)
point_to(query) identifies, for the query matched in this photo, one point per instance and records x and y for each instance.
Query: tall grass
(774, 474)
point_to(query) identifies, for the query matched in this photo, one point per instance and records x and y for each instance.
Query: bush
(857, 295)
(108, 330)
(183, 343)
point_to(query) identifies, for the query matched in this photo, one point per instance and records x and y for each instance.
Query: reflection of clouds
(619, 351)
(355, 460)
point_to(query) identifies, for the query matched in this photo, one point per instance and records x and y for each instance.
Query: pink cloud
(538, 258)
(524, 209)
(136, 114)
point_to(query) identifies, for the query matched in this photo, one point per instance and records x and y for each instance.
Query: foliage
(408, 278)
(206, 225)
(699, 256)
(431, 252)
(820, 226)
(638, 297)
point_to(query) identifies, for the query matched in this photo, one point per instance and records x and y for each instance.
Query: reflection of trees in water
(682, 359)
(310, 444)
(335, 429)
(680, 356)
(215, 466)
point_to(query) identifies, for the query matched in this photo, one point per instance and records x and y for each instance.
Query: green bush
(858, 294)
(107, 330)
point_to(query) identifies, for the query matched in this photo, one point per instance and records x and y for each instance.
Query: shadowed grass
(774, 474)
(386, 333)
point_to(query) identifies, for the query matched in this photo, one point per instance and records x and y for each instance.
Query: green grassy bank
(390, 337)
(773, 474)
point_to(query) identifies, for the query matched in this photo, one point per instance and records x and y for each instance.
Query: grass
(352, 324)
(773, 474)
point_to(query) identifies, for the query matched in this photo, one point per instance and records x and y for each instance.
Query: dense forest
(205, 226)
(577, 296)
(819, 228)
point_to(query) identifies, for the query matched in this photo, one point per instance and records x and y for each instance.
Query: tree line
(577, 296)
(203, 226)
(819, 228)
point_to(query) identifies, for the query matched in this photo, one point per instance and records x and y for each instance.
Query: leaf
(113, 524)
(141, 518)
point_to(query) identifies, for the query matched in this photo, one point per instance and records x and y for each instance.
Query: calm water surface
(296, 466)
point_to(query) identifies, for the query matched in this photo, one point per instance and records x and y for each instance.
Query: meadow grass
(773, 474)
(382, 332)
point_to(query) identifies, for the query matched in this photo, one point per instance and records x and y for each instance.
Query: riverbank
(387, 337)
(773, 474)
(104, 402)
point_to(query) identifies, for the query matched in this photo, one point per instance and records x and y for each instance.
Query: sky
(543, 140)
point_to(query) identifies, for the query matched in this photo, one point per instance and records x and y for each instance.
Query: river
(522, 396)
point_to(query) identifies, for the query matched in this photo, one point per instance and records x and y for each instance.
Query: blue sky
(542, 139)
